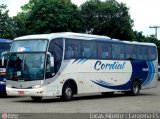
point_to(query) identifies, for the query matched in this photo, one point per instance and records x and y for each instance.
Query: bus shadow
(80, 98)
(8, 97)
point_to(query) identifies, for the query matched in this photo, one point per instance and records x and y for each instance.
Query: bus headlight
(37, 86)
(2, 82)
(8, 86)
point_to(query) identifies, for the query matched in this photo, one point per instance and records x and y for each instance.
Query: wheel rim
(68, 92)
(135, 87)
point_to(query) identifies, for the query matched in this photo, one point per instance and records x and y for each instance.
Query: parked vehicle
(66, 64)
(4, 46)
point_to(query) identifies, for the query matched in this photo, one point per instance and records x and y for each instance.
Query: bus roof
(80, 36)
(2, 40)
(62, 34)
(139, 43)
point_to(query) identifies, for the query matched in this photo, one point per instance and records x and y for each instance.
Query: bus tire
(135, 88)
(36, 98)
(67, 92)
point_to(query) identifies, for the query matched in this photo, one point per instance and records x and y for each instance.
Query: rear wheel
(35, 98)
(67, 92)
(135, 89)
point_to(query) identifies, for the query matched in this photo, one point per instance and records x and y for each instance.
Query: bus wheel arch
(69, 89)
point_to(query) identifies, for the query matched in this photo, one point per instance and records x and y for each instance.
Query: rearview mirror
(4, 55)
(51, 59)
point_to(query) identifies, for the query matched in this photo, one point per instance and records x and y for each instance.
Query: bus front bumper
(25, 92)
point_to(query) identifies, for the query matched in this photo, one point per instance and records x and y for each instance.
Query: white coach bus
(67, 64)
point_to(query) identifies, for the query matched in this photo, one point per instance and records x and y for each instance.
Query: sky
(143, 12)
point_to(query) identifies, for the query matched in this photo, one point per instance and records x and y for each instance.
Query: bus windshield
(26, 66)
(29, 45)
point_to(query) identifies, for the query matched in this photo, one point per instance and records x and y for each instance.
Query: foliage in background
(6, 23)
(48, 16)
(107, 18)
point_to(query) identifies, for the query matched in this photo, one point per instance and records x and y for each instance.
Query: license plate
(21, 92)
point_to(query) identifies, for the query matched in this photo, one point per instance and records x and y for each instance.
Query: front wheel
(35, 98)
(67, 92)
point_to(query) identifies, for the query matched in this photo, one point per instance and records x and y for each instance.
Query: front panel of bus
(33, 65)
(26, 66)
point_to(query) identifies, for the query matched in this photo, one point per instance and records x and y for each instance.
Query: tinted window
(104, 51)
(131, 51)
(72, 49)
(56, 49)
(152, 53)
(117, 51)
(139, 52)
(89, 49)
(142, 53)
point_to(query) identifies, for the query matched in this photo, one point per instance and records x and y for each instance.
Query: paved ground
(147, 101)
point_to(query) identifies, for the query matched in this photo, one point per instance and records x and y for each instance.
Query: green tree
(139, 36)
(46, 16)
(107, 18)
(6, 23)
(19, 25)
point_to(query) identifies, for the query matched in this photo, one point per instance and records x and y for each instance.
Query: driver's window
(56, 50)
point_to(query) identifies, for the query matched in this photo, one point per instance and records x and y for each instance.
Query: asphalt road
(147, 102)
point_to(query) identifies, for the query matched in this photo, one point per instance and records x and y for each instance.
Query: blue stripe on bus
(105, 83)
(125, 86)
(75, 61)
(151, 73)
(79, 61)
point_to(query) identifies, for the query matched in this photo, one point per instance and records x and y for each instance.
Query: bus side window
(139, 52)
(131, 52)
(104, 51)
(73, 49)
(87, 52)
(117, 51)
(152, 53)
(56, 50)
(145, 53)
(69, 52)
